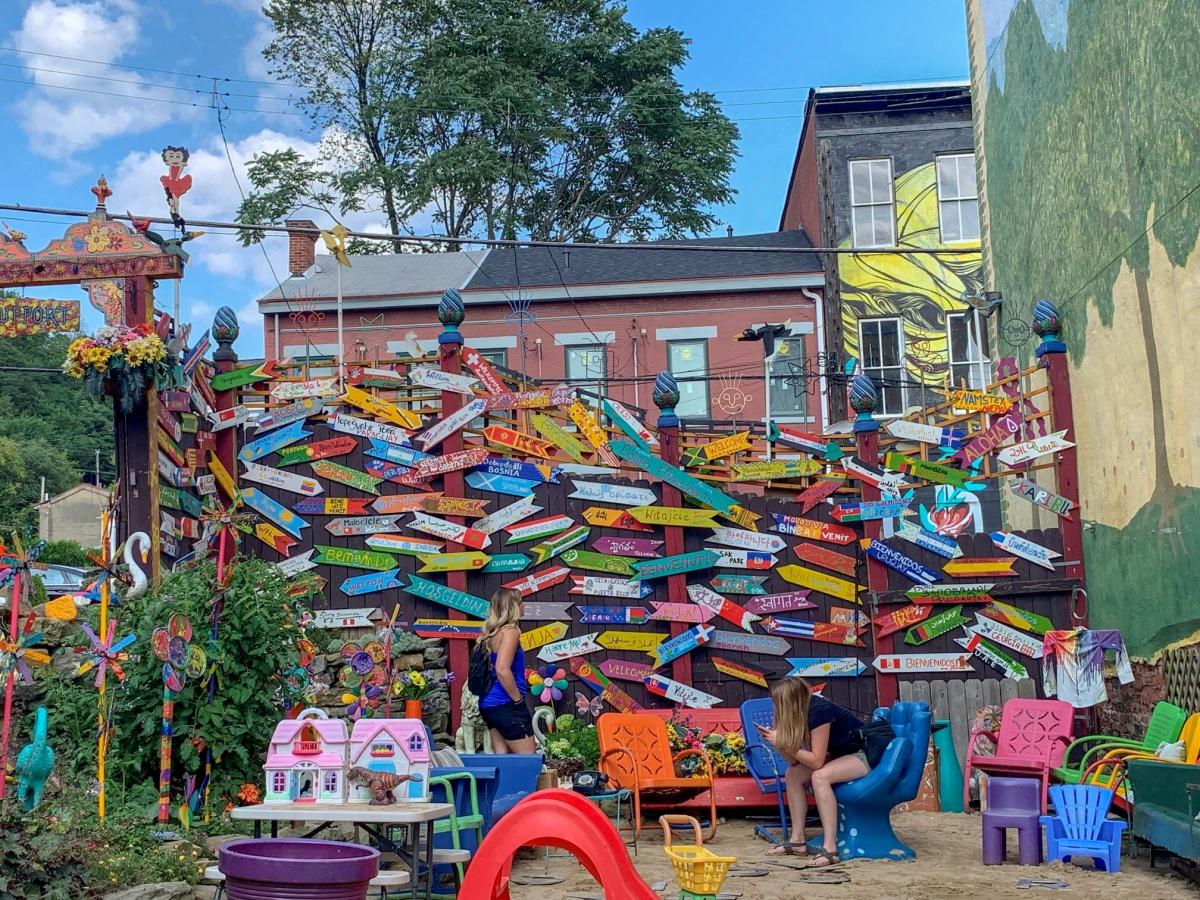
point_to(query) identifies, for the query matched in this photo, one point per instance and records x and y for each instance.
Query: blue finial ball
(451, 310)
(666, 391)
(225, 328)
(863, 395)
(1046, 320)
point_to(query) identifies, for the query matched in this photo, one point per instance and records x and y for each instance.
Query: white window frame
(791, 415)
(958, 201)
(874, 203)
(981, 368)
(702, 372)
(591, 347)
(902, 372)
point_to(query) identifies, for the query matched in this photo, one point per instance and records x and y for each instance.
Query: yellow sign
(725, 446)
(26, 315)
(381, 409)
(223, 478)
(670, 515)
(587, 425)
(453, 562)
(826, 584)
(539, 637)
(739, 515)
(641, 641)
(62, 609)
(978, 401)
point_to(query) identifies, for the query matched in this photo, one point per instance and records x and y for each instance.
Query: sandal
(789, 848)
(830, 859)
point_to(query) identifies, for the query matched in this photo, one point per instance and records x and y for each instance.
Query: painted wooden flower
(18, 652)
(107, 654)
(180, 657)
(548, 683)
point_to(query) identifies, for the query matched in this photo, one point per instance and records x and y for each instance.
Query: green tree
(552, 118)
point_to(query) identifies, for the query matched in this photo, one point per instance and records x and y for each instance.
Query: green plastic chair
(1166, 722)
(455, 824)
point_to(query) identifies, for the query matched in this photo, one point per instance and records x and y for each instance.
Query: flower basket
(123, 363)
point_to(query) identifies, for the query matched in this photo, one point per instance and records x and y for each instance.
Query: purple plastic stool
(297, 869)
(1013, 803)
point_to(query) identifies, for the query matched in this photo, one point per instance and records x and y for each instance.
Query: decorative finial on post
(863, 400)
(451, 313)
(666, 398)
(102, 193)
(1047, 324)
(225, 331)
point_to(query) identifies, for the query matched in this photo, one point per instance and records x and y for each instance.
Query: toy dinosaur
(380, 784)
(35, 762)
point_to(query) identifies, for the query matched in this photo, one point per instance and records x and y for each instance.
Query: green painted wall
(1088, 117)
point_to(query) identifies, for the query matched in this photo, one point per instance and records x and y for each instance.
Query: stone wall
(1128, 708)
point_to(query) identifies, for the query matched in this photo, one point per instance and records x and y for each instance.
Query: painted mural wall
(1087, 119)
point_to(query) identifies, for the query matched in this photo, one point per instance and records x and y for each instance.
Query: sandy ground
(948, 866)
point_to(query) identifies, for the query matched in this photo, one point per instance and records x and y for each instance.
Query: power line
(142, 97)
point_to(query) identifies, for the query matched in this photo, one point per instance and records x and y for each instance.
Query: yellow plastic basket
(697, 869)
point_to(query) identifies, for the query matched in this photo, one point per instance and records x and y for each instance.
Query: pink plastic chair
(1033, 737)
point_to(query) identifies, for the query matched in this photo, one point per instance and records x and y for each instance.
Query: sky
(66, 128)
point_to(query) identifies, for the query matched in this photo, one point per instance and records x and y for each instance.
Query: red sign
(437, 465)
(818, 491)
(482, 369)
(826, 558)
(516, 440)
(897, 619)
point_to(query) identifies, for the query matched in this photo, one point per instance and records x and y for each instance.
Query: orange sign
(26, 315)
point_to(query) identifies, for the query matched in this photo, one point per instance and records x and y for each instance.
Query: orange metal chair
(636, 755)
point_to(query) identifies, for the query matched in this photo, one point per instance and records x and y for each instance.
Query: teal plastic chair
(1080, 826)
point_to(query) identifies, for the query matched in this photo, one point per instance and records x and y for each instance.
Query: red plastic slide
(562, 819)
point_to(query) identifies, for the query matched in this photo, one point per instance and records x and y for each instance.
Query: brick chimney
(302, 246)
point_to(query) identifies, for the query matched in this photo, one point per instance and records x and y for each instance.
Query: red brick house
(605, 319)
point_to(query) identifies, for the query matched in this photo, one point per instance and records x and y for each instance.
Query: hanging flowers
(548, 683)
(119, 361)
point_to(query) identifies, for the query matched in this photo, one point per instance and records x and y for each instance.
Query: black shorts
(512, 720)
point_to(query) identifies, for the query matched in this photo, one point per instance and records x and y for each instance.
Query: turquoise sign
(677, 646)
(739, 584)
(693, 487)
(272, 441)
(507, 562)
(371, 583)
(674, 565)
(447, 596)
(405, 456)
(272, 510)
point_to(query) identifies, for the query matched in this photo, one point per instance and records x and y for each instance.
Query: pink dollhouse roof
(332, 733)
(399, 730)
(288, 760)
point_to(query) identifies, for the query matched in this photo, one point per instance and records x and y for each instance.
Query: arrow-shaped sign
(538, 528)
(514, 468)
(674, 565)
(738, 670)
(625, 669)
(999, 431)
(450, 531)
(726, 446)
(826, 632)
(747, 540)
(595, 435)
(1035, 553)
(679, 612)
(700, 491)
(727, 583)
(507, 515)
(285, 415)
(869, 510)
(384, 439)
(897, 619)
(344, 527)
(923, 662)
(431, 466)
(681, 644)
(344, 475)
(274, 538)
(539, 581)
(452, 629)
(501, 484)
(1017, 617)
(538, 399)
(298, 390)
(507, 562)
(619, 494)
(937, 473)
(818, 491)
(290, 568)
(819, 581)
(367, 376)
(386, 471)
(947, 620)
(338, 446)
(801, 440)
(1039, 496)
(613, 518)
(402, 503)
(642, 548)
(398, 543)
(950, 593)
(273, 510)
(466, 561)
(722, 606)
(981, 567)
(447, 596)
(443, 428)
(826, 558)
(898, 562)
(225, 381)
(926, 434)
(573, 646)
(483, 370)
(1027, 451)
(563, 440)
(940, 544)
(743, 642)
(730, 558)
(1006, 636)
(826, 666)
(272, 441)
(542, 610)
(518, 441)
(777, 603)
(635, 641)
(677, 692)
(548, 549)
(371, 583)
(813, 530)
(624, 419)
(868, 473)
(776, 469)
(993, 656)
(428, 376)
(353, 559)
(598, 682)
(599, 586)
(670, 515)
(612, 615)
(286, 481)
(597, 562)
(380, 409)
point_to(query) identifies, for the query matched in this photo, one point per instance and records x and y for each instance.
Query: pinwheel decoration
(180, 659)
(548, 683)
(365, 699)
(106, 655)
(588, 706)
(364, 677)
(16, 654)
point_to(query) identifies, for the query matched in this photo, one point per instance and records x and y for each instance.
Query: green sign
(238, 377)
(447, 596)
(168, 497)
(354, 559)
(935, 626)
(507, 562)
(188, 423)
(323, 468)
(938, 473)
(556, 545)
(691, 486)
(674, 565)
(598, 562)
(563, 440)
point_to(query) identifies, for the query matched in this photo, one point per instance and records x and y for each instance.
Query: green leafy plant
(572, 739)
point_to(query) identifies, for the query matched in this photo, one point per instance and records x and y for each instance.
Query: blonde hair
(791, 697)
(504, 611)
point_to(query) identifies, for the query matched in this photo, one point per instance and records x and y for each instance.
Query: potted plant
(413, 687)
(123, 362)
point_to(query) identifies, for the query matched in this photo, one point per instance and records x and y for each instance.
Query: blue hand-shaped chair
(865, 804)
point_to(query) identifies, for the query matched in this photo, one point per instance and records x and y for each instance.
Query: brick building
(605, 319)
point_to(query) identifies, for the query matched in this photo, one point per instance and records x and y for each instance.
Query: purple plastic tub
(297, 870)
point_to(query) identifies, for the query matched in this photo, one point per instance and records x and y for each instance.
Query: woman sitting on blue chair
(824, 742)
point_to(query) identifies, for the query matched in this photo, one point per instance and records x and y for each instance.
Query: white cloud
(60, 123)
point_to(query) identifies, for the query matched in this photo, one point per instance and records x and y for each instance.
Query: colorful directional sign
(539, 581)
(673, 516)
(552, 547)
(536, 529)
(599, 586)
(826, 558)
(443, 428)
(951, 593)
(681, 644)
(228, 418)
(507, 515)
(745, 642)
(624, 419)
(729, 583)
(344, 527)
(455, 532)
(940, 544)
(625, 669)
(285, 481)
(432, 466)
(338, 446)
(1027, 451)
(1039, 496)
(371, 583)
(537, 399)
(298, 390)
(377, 433)
(947, 620)
(722, 606)
(402, 503)
(272, 441)
(297, 564)
(819, 581)
(274, 511)
(731, 558)
(826, 632)
(813, 530)
(393, 472)
(552, 432)
(1007, 636)
(483, 370)
(507, 562)
(354, 478)
(868, 510)
(518, 441)
(619, 494)
(465, 561)
(353, 559)
(541, 610)
(739, 670)
(613, 518)
(1017, 617)
(993, 656)
(612, 615)
(380, 409)
(726, 446)
(923, 662)
(677, 692)
(1026, 549)
(698, 490)
(999, 431)
(777, 603)
(898, 562)
(595, 435)
(501, 484)
(367, 376)
(573, 646)
(679, 612)
(641, 548)
(447, 596)
(977, 401)
(981, 567)
(514, 468)
(599, 682)
(937, 473)
(802, 440)
(285, 415)
(869, 473)
(926, 434)
(598, 562)
(826, 666)
(639, 641)
(747, 540)
(408, 546)
(776, 469)
(447, 628)
(430, 377)
(674, 565)
(545, 634)
(898, 619)
(271, 536)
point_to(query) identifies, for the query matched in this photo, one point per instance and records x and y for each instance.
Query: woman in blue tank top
(503, 707)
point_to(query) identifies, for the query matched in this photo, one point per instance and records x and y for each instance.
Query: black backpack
(481, 675)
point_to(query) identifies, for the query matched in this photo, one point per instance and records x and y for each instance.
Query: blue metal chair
(865, 804)
(1080, 826)
(766, 766)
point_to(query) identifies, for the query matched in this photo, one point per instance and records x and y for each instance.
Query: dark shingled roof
(533, 266)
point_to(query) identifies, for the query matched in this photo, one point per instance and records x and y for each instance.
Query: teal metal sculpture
(35, 762)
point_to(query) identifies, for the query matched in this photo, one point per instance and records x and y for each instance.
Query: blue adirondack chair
(766, 766)
(1080, 826)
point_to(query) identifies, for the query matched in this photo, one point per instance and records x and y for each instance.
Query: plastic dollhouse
(306, 762)
(398, 746)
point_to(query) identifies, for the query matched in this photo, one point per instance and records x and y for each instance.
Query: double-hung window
(688, 362)
(958, 198)
(967, 343)
(791, 379)
(872, 204)
(587, 366)
(881, 345)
